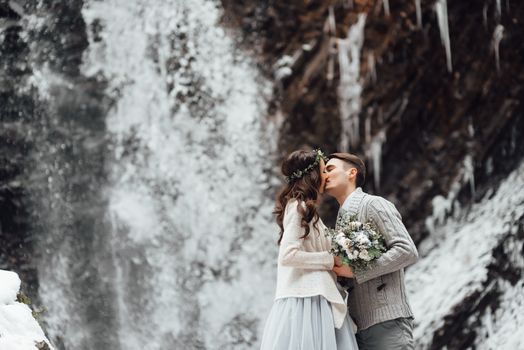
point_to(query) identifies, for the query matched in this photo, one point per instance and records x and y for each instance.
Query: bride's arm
(292, 252)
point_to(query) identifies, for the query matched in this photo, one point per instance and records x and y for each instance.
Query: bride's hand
(343, 271)
(338, 260)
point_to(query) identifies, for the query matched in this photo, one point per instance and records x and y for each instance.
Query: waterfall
(189, 242)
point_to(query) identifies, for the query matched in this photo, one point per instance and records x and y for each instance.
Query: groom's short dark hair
(354, 161)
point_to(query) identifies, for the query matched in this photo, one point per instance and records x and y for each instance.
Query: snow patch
(18, 328)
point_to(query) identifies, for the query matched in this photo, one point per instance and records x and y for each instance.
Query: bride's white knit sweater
(304, 264)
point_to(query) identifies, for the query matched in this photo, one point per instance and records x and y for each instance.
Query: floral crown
(299, 173)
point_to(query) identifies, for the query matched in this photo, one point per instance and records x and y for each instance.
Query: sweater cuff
(331, 264)
(361, 276)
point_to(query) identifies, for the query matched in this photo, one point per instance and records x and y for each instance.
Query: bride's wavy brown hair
(304, 189)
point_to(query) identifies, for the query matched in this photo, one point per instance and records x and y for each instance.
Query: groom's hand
(343, 271)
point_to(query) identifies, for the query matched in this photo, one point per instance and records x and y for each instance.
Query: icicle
(367, 128)
(498, 34)
(331, 61)
(513, 141)
(419, 14)
(471, 129)
(485, 15)
(331, 21)
(386, 7)
(441, 8)
(489, 166)
(349, 87)
(372, 71)
(331, 29)
(331, 69)
(498, 10)
(469, 173)
(376, 155)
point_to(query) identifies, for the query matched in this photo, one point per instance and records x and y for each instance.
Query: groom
(377, 299)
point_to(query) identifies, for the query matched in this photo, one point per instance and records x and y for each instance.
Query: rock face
(440, 134)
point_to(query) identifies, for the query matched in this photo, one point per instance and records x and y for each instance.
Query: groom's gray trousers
(394, 334)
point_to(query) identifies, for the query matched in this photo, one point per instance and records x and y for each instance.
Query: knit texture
(378, 293)
(305, 264)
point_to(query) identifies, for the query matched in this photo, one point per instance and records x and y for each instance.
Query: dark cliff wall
(432, 118)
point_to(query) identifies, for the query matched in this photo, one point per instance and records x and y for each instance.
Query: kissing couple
(312, 311)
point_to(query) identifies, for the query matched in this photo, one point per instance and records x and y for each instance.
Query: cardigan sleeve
(292, 251)
(401, 249)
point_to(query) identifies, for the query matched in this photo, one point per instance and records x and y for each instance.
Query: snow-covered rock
(467, 289)
(18, 328)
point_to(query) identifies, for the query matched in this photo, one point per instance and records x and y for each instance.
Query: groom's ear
(352, 172)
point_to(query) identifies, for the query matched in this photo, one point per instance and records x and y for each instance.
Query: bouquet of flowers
(356, 243)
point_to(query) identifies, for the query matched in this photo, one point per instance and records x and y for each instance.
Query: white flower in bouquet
(361, 238)
(351, 254)
(357, 243)
(364, 255)
(355, 225)
(340, 238)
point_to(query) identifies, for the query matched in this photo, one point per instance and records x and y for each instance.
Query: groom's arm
(401, 249)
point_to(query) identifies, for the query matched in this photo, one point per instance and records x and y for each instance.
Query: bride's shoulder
(292, 207)
(293, 203)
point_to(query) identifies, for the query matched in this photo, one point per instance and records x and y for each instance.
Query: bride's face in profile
(323, 176)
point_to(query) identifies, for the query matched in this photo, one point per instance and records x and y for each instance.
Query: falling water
(188, 206)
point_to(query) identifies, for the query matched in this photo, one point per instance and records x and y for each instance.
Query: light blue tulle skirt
(305, 324)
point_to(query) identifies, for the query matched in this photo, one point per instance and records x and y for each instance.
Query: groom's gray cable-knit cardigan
(378, 293)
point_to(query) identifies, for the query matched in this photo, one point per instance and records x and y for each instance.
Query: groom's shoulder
(377, 202)
(372, 198)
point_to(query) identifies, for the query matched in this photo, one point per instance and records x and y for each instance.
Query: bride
(309, 311)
